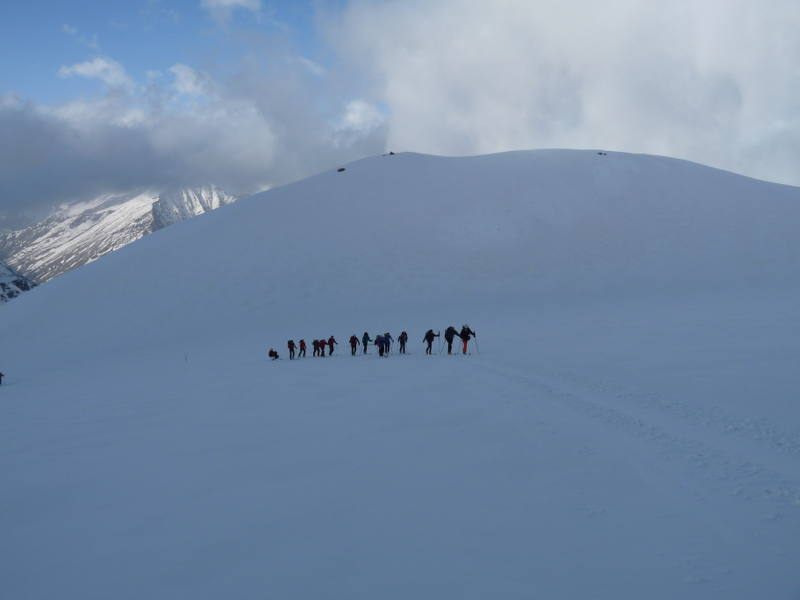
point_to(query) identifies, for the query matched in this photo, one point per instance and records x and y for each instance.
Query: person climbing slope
(331, 342)
(387, 342)
(353, 345)
(291, 346)
(465, 334)
(428, 339)
(315, 343)
(381, 344)
(365, 341)
(402, 338)
(302, 349)
(449, 334)
(322, 344)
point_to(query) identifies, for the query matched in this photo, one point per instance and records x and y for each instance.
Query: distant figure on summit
(465, 334)
(428, 339)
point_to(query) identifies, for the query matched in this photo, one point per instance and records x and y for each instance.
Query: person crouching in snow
(272, 354)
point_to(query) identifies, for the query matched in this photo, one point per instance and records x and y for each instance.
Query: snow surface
(628, 429)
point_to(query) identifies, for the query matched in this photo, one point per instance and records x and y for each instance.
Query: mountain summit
(625, 425)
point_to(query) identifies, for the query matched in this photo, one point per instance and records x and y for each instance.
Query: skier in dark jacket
(353, 345)
(302, 349)
(272, 354)
(465, 335)
(331, 342)
(365, 341)
(291, 346)
(381, 344)
(449, 334)
(402, 338)
(428, 339)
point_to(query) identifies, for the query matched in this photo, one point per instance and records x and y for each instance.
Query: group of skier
(383, 341)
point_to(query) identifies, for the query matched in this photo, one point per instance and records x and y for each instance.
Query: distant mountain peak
(80, 233)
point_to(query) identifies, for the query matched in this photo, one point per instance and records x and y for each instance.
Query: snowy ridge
(626, 425)
(81, 233)
(179, 205)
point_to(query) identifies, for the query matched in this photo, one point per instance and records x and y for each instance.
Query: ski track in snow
(766, 474)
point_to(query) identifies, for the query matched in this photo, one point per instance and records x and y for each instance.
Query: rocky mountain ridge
(81, 233)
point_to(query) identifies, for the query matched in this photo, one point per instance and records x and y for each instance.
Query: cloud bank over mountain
(715, 82)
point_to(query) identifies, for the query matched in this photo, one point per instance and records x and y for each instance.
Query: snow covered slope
(83, 232)
(627, 428)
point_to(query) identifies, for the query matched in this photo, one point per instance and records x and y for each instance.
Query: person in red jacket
(331, 342)
(322, 344)
(353, 344)
(302, 349)
(465, 335)
(291, 346)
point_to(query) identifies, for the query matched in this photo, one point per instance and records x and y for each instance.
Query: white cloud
(188, 81)
(714, 81)
(360, 115)
(314, 68)
(69, 29)
(105, 69)
(360, 119)
(221, 10)
(255, 127)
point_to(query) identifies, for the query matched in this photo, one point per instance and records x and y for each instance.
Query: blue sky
(40, 37)
(107, 96)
